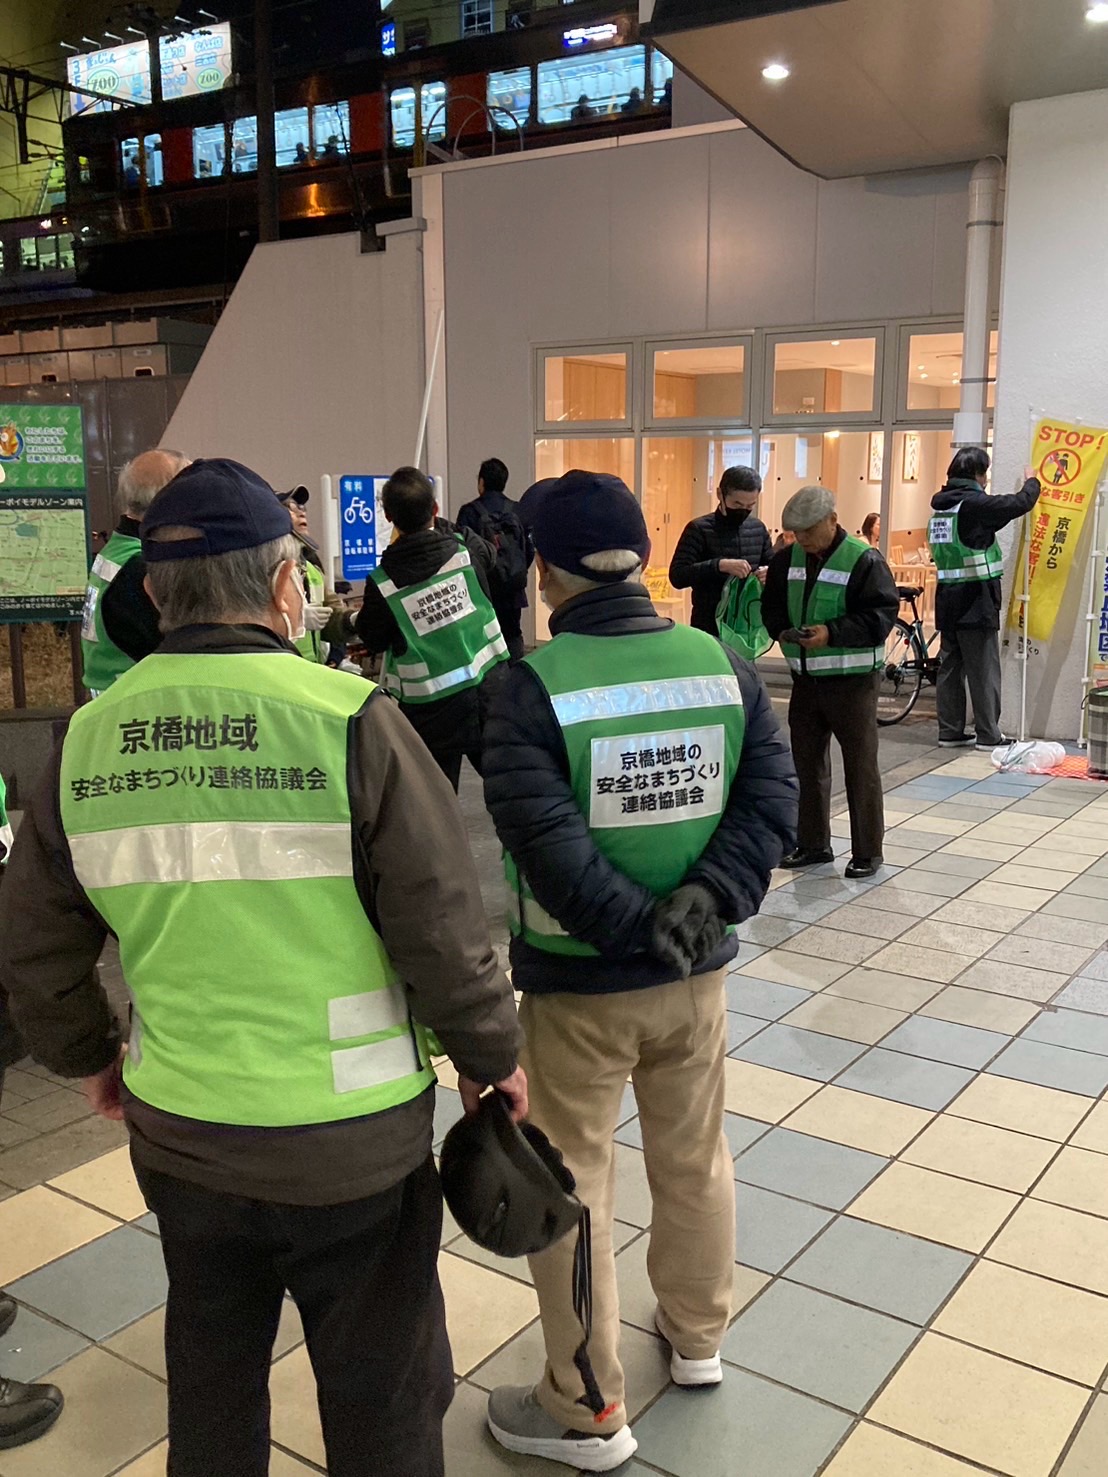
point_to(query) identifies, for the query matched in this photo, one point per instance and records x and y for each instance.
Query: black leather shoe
(26, 1412)
(863, 866)
(807, 857)
(8, 1311)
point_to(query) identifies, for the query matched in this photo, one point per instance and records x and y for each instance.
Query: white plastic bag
(1036, 756)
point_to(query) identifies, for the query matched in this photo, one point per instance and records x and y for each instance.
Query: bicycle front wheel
(901, 676)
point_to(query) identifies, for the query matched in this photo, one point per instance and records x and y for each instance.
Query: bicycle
(908, 663)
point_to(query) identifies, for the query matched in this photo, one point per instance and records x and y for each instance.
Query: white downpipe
(425, 409)
(330, 551)
(985, 219)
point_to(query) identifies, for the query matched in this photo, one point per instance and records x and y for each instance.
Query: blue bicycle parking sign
(365, 531)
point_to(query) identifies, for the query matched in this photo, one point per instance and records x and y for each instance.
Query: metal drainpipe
(985, 219)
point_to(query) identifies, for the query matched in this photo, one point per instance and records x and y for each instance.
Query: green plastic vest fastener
(204, 798)
(826, 603)
(955, 560)
(102, 660)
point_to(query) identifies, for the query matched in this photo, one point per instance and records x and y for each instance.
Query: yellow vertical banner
(1068, 460)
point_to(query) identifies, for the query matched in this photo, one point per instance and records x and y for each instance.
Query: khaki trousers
(671, 1041)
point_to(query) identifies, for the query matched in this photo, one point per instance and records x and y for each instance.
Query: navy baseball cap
(298, 494)
(230, 506)
(588, 513)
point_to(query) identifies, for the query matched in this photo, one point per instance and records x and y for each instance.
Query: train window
(244, 145)
(510, 92)
(661, 79)
(331, 129)
(293, 141)
(66, 259)
(28, 255)
(209, 147)
(132, 159)
(47, 253)
(477, 18)
(592, 85)
(432, 113)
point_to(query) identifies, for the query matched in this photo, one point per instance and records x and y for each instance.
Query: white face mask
(301, 629)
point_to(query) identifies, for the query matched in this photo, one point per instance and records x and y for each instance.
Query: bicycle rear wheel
(901, 676)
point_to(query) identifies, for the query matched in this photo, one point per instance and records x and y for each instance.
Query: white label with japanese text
(654, 778)
(445, 602)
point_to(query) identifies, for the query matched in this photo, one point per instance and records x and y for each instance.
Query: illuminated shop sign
(191, 64)
(590, 35)
(388, 38)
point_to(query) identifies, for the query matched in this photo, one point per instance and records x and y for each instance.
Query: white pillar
(971, 424)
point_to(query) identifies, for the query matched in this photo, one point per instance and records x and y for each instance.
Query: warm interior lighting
(777, 72)
(1097, 14)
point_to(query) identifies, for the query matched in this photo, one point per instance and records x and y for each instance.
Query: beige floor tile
(852, 1019)
(281, 1465)
(447, 1073)
(795, 969)
(763, 1092)
(1063, 1330)
(986, 851)
(1041, 878)
(876, 987)
(935, 1206)
(1064, 930)
(977, 1008)
(1007, 895)
(1013, 979)
(873, 922)
(978, 1151)
(832, 943)
(968, 766)
(108, 1183)
(889, 898)
(39, 1225)
(938, 825)
(112, 1413)
(150, 1465)
(1040, 953)
(1088, 1456)
(1017, 825)
(919, 963)
(980, 915)
(295, 1419)
(1043, 1112)
(859, 1119)
(1088, 841)
(871, 1452)
(1065, 1245)
(1093, 1132)
(933, 933)
(1077, 1178)
(988, 1409)
(483, 1309)
(902, 856)
(1054, 859)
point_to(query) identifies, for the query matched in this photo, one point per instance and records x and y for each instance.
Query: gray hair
(215, 589)
(143, 478)
(624, 562)
(806, 508)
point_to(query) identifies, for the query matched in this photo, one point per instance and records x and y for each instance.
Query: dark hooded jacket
(976, 603)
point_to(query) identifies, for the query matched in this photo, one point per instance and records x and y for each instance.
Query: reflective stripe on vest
(825, 603)
(204, 799)
(955, 560)
(451, 633)
(102, 660)
(653, 747)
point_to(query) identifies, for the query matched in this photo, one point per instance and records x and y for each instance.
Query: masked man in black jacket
(730, 542)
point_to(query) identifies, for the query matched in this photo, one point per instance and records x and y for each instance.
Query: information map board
(44, 525)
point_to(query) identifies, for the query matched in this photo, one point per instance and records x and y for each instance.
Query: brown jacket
(418, 884)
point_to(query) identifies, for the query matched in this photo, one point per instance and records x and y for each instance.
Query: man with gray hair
(120, 623)
(830, 602)
(288, 876)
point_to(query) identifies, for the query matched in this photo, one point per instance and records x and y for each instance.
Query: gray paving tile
(770, 1229)
(805, 1053)
(748, 952)
(827, 1174)
(920, 840)
(740, 1132)
(474, 1453)
(102, 1287)
(766, 999)
(936, 882)
(148, 1222)
(740, 1028)
(1092, 887)
(53, 1110)
(1085, 994)
(33, 1346)
(887, 1270)
(818, 1344)
(744, 1425)
(783, 903)
(51, 1154)
(834, 889)
(1077, 1029)
(1068, 905)
(961, 1046)
(1097, 967)
(768, 931)
(628, 1107)
(448, 1109)
(1053, 1066)
(906, 1079)
(633, 1202)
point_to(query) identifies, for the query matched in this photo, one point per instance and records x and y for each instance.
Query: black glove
(688, 928)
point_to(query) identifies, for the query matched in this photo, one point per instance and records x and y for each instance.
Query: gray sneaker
(518, 1422)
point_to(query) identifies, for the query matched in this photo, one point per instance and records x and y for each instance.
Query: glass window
(835, 376)
(661, 79)
(244, 145)
(702, 383)
(28, 254)
(919, 462)
(291, 136)
(592, 84)
(477, 17)
(585, 387)
(433, 114)
(510, 92)
(66, 258)
(331, 129)
(935, 371)
(134, 160)
(208, 151)
(48, 253)
(845, 461)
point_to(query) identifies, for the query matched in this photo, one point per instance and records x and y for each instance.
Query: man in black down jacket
(619, 937)
(730, 541)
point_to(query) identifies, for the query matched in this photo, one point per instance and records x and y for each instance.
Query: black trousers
(969, 655)
(364, 1277)
(844, 708)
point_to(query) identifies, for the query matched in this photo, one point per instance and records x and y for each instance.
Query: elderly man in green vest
(830, 602)
(120, 624)
(290, 882)
(326, 621)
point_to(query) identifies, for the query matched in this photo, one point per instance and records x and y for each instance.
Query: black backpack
(513, 551)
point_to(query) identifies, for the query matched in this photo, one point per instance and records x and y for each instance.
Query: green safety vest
(955, 560)
(103, 660)
(653, 742)
(205, 802)
(6, 837)
(310, 645)
(826, 603)
(452, 633)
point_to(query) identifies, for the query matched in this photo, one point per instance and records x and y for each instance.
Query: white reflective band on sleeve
(797, 572)
(107, 569)
(409, 670)
(527, 912)
(366, 1014)
(459, 675)
(372, 1066)
(862, 660)
(212, 851)
(635, 699)
(833, 576)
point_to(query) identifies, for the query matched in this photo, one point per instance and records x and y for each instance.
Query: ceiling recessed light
(1097, 14)
(835, 342)
(832, 435)
(777, 72)
(923, 376)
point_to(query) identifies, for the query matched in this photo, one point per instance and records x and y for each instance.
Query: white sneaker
(520, 1424)
(689, 1373)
